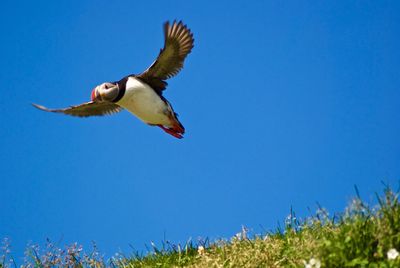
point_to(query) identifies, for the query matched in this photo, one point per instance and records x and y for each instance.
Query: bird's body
(141, 94)
(141, 100)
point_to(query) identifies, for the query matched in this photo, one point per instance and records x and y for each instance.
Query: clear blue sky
(285, 103)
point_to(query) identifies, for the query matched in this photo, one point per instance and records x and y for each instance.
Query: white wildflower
(200, 250)
(392, 254)
(313, 263)
(243, 234)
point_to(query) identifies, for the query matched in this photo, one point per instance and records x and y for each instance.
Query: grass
(361, 236)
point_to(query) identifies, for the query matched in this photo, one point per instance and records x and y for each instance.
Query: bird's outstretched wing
(85, 109)
(177, 45)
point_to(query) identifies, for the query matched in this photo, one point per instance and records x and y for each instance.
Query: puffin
(142, 94)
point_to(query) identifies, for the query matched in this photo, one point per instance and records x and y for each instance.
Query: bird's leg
(170, 131)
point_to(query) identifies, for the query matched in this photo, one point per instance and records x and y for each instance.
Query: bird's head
(105, 92)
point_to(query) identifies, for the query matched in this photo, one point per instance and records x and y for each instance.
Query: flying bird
(142, 94)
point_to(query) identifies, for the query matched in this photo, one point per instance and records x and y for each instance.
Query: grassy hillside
(361, 236)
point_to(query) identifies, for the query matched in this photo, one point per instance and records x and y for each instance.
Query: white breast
(142, 101)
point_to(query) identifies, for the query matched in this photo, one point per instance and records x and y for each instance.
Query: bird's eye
(105, 86)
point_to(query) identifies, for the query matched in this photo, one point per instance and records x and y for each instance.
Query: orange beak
(93, 95)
